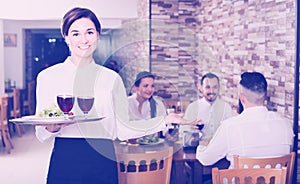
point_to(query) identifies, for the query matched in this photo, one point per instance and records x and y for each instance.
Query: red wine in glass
(174, 129)
(65, 103)
(85, 103)
(200, 126)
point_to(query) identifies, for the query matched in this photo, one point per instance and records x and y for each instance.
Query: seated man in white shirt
(256, 132)
(211, 109)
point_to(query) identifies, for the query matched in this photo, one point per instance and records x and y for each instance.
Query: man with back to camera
(211, 109)
(256, 132)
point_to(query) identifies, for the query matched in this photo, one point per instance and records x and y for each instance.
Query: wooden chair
(16, 111)
(5, 136)
(29, 103)
(147, 168)
(249, 176)
(273, 162)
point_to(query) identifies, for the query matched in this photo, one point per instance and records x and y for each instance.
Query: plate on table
(150, 141)
(36, 120)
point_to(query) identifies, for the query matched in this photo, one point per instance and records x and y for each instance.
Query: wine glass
(174, 128)
(85, 103)
(65, 103)
(200, 126)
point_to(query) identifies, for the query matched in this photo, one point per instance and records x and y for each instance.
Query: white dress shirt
(110, 102)
(134, 113)
(210, 114)
(256, 132)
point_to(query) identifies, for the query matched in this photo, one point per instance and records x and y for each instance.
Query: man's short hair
(255, 87)
(254, 81)
(209, 75)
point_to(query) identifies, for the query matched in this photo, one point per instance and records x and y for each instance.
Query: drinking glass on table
(173, 131)
(192, 135)
(200, 126)
(85, 104)
(65, 103)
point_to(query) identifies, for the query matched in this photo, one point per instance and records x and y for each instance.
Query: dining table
(185, 167)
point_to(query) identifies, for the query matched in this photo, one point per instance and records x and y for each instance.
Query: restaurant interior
(178, 41)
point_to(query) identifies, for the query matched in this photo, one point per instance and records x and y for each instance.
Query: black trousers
(83, 161)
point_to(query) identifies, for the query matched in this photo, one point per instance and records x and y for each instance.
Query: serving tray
(36, 120)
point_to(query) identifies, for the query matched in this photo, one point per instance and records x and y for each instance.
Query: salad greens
(148, 140)
(53, 111)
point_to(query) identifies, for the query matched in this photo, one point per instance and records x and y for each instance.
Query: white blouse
(134, 113)
(110, 102)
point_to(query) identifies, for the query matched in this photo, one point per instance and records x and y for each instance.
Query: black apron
(83, 161)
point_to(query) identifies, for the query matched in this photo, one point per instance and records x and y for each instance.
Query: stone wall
(191, 37)
(174, 48)
(131, 45)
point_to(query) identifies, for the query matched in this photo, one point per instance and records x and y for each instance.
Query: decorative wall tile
(227, 38)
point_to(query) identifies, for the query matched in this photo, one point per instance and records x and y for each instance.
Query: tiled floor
(27, 162)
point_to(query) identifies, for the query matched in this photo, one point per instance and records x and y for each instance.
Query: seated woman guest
(142, 103)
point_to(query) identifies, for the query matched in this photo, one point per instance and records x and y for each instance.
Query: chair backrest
(30, 99)
(3, 107)
(16, 103)
(147, 168)
(272, 162)
(247, 176)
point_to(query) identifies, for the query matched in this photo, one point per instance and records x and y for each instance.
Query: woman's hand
(173, 118)
(53, 128)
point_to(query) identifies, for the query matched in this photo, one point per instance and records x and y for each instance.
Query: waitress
(84, 152)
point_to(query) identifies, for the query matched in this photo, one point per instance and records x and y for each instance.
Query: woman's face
(82, 38)
(146, 88)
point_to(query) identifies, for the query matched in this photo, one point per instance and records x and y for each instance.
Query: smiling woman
(79, 75)
(142, 104)
(81, 30)
(82, 42)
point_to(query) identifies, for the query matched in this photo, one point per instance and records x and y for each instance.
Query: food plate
(36, 120)
(142, 141)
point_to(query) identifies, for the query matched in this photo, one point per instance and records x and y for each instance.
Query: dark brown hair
(254, 81)
(141, 75)
(210, 76)
(75, 14)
